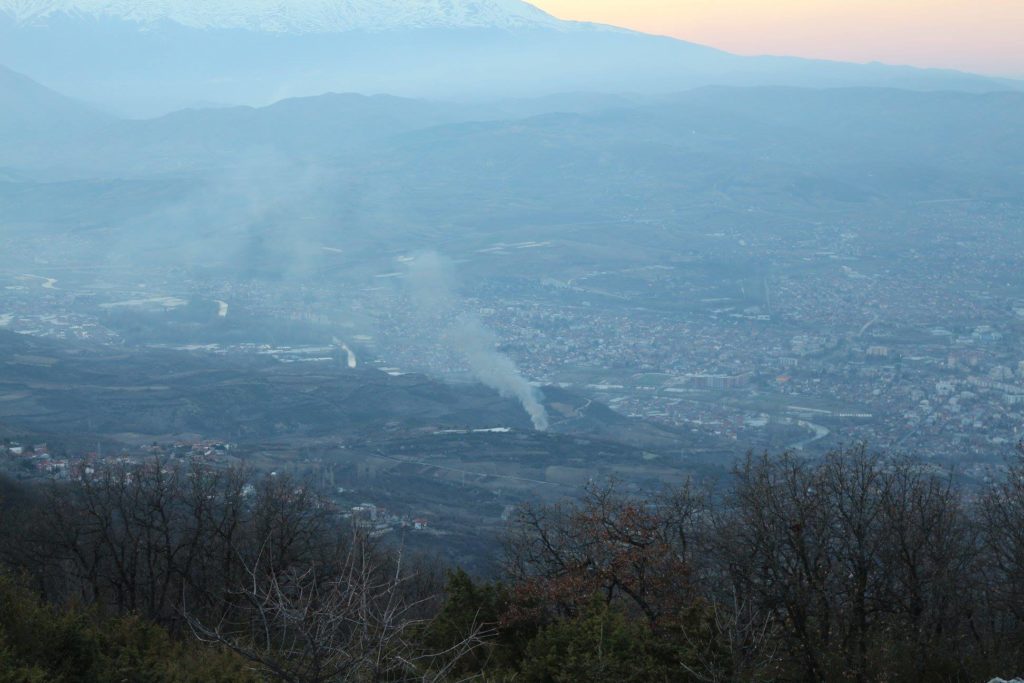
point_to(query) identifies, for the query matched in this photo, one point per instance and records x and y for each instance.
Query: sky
(984, 36)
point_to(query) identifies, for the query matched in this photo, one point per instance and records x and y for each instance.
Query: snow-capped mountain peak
(294, 16)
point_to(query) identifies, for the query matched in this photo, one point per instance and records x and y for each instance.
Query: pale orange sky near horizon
(985, 36)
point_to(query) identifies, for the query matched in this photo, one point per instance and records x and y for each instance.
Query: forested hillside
(858, 566)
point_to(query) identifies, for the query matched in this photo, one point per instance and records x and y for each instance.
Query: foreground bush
(45, 644)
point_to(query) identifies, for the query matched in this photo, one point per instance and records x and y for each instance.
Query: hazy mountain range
(706, 131)
(382, 173)
(145, 57)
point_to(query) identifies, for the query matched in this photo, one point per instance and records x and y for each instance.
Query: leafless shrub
(354, 621)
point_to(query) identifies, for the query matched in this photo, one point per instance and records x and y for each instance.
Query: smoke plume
(433, 294)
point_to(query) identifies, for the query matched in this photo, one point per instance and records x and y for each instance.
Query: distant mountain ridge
(144, 58)
(28, 106)
(295, 16)
(42, 131)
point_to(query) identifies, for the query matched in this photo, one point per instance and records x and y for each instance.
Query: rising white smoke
(433, 294)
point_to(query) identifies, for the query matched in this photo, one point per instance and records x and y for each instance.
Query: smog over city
(453, 273)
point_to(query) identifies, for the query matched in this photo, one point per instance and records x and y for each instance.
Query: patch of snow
(159, 301)
(492, 430)
(48, 282)
(296, 16)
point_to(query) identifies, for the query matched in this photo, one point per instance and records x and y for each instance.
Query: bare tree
(354, 621)
(928, 557)
(747, 636)
(1001, 520)
(607, 545)
(774, 543)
